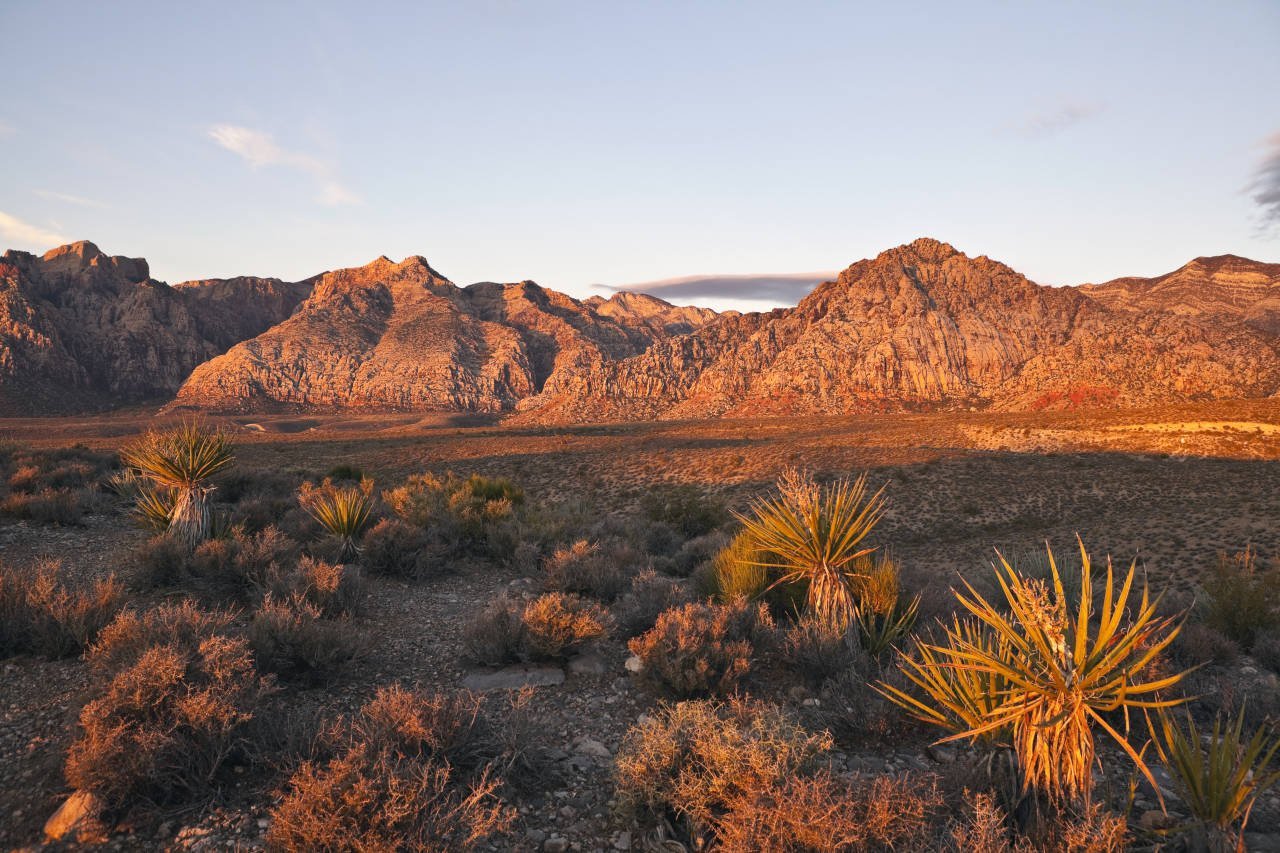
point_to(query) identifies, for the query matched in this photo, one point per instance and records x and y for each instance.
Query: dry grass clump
(395, 548)
(1242, 599)
(985, 828)
(549, 627)
(744, 776)
(415, 773)
(292, 639)
(701, 649)
(685, 507)
(737, 572)
(42, 612)
(173, 713)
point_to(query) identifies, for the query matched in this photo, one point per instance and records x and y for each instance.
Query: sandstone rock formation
(80, 329)
(403, 337)
(923, 325)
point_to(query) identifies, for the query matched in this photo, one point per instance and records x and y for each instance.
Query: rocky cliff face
(80, 329)
(924, 325)
(402, 337)
(1226, 288)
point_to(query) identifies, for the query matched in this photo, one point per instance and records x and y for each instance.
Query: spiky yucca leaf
(813, 534)
(344, 512)
(1062, 672)
(881, 631)
(153, 506)
(181, 458)
(1220, 777)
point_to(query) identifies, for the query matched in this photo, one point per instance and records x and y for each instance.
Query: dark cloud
(786, 288)
(1265, 188)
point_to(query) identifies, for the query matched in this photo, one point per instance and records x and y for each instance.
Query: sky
(756, 147)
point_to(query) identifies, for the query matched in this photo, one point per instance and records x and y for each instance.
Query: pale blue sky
(602, 142)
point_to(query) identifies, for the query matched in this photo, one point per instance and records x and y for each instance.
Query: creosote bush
(395, 548)
(650, 595)
(701, 649)
(174, 709)
(415, 771)
(600, 571)
(292, 639)
(472, 516)
(43, 612)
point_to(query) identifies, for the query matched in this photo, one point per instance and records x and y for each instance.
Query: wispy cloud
(1058, 118)
(71, 199)
(24, 235)
(1265, 187)
(259, 149)
(785, 288)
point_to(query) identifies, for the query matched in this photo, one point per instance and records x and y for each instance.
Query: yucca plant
(183, 460)
(811, 534)
(1220, 777)
(344, 512)
(883, 619)
(1045, 676)
(153, 506)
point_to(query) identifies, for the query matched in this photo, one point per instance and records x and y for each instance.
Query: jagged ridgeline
(919, 326)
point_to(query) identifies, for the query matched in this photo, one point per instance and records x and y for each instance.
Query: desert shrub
(701, 648)
(161, 562)
(414, 774)
(649, 596)
(1266, 650)
(812, 535)
(744, 776)
(350, 473)
(816, 651)
(183, 461)
(549, 627)
(43, 612)
(685, 507)
(292, 639)
(601, 571)
(986, 828)
(1199, 644)
(345, 512)
(559, 624)
(1241, 598)
(496, 633)
(29, 471)
(47, 506)
(395, 548)
(334, 589)
(697, 552)
(472, 516)
(1002, 677)
(183, 625)
(172, 715)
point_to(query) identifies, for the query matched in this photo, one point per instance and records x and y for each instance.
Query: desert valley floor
(1172, 487)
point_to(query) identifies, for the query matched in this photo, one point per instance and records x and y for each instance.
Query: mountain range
(919, 326)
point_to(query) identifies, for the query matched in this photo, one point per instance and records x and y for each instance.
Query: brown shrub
(1199, 643)
(1266, 650)
(395, 548)
(815, 651)
(334, 589)
(161, 561)
(649, 596)
(557, 625)
(586, 568)
(744, 776)
(414, 774)
(42, 612)
(289, 637)
(166, 723)
(48, 506)
(549, 627)
(124, 640)
(701, 648)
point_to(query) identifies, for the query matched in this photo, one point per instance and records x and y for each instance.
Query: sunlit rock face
(925, 326)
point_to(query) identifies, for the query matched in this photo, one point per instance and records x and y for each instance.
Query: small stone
(513, 678)
(634, 664)
(941, 754)
(75, 819)
(623, 841)
(587, 664)
(556, 844)
(536, 836)
(588, 746)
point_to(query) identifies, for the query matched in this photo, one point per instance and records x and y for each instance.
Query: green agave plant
(812, 535)
(1220, 776)
(1041, 676)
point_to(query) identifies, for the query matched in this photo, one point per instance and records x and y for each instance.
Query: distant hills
(919, 326)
